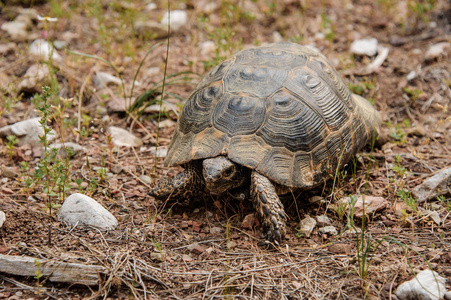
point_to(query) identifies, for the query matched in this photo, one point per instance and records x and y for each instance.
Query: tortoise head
(221, 174)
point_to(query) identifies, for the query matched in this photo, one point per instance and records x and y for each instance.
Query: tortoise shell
(281, 110)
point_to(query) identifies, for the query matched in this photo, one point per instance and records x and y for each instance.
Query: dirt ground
(203, 251)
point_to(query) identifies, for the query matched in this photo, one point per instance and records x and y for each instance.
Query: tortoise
(266, 121)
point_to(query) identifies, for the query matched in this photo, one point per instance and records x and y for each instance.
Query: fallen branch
(55, 271)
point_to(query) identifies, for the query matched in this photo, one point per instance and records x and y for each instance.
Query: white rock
(79, 209)
(76, 148)
(209, 7)
(436, 50)
(16, 30)
(372, 204)
(2, 218)
(150, 6)
(178, 19)
(207, 48)
(364, 47)
(427, 285)
(27, 132)
(277, 37)
(437, 185)
(122, 137)
(151, 29)
(323, 220)
(328, 229)
(36, 76)
(307, 225)
(43, 49)
(103, 79)
(411, 76)
(161, 151)
(166, 123)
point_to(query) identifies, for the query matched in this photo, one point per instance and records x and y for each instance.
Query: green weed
(11, 145)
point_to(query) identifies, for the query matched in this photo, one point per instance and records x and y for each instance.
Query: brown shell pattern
(280, 109)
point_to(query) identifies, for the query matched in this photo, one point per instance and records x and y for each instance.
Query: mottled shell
(281, 110)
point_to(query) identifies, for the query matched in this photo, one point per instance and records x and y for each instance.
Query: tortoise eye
(227, 172)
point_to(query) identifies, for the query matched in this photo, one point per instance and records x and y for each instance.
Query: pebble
(2, 218)
(151, 29)
(27, 132)
(207, 48)
(340, 248)
(307, 225)
(231, 245)
(437, 185)
(8, 172)
(372, 204)
(196, 249)
(16, 30)
(178, 19)
(328, 229)
(323, 220)
(35, 77)
(74, 147)
(103, 79)
(427, 285)
(122, 137)
(144, 178)
(364, 47)
(248, 221)
(79, 209)
(436, 50)
(43, 49)
(277, 37)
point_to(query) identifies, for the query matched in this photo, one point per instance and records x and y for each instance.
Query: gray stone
(103, 79)
(437, 185)
(27, 132)
(427, 285)
(36, 76)
(372, 204)
(364, 47)
(146, 179)
(436, 50)
(16, 30)
(79, 209)
(432, 215)
(307, 225)
(75, 148)
(2, 218)
(44, 50)
(151, 29)
(178, 19)
(328, 229)
(122, 137)
(323, 220)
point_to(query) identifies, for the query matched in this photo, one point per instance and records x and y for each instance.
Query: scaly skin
(269, 209)
(182, 186)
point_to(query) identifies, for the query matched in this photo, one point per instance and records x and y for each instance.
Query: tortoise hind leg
(269, 208)
(183, 185)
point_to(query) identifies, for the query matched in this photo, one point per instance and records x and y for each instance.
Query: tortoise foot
(269, 208)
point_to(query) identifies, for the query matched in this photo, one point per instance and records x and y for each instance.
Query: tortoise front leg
(269, 208)
(182, 186)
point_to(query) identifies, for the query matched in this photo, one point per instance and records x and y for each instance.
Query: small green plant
(340, 209)
(400, 173)
(446, 202)
(419, 9)
(327, 27)
(366, 246)
(11, 145)
(407, 198)
(37, 272)
(413, 94)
